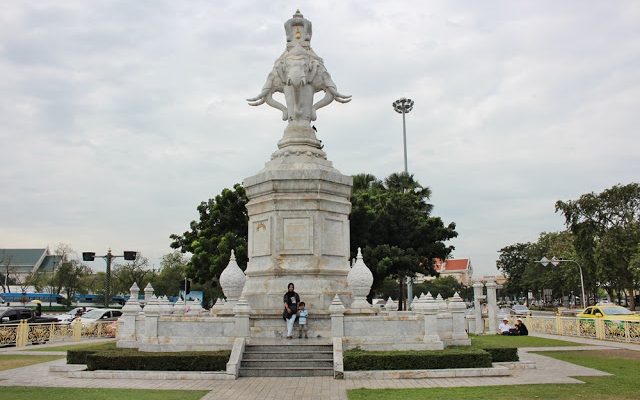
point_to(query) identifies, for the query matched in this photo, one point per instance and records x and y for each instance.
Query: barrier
(590, 328)
(23, 333)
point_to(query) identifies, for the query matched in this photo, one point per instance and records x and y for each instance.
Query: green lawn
(78, 346)
(10, 361)
(517, 341)
(621, 386)
(30, 393)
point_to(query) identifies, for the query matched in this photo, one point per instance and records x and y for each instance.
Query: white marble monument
(299, 203)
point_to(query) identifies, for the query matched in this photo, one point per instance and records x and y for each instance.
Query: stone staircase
(290, 358)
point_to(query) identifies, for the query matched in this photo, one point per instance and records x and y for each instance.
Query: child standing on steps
(302, 319)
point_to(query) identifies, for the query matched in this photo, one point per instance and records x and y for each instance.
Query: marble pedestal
(298, 226)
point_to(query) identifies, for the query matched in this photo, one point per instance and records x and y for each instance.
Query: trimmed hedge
(132, 359)
(357, 359)
(502, 354)
(80, 356)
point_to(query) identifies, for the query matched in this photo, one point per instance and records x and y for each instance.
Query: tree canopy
(606, 227)
(222, 227)
(391, 221)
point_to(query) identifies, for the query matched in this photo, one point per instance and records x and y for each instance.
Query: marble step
(288, 355)
(286, 372)
(279, 363)
(288, 347)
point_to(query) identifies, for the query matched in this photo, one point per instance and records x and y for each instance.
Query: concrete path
(548, 371)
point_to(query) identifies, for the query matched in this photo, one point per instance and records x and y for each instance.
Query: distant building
(22, 262)
(459, 268)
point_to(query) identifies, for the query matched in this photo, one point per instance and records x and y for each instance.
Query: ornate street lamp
(90, 256)
(555, 261)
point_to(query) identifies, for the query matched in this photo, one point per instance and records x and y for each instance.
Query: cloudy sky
(118, 117)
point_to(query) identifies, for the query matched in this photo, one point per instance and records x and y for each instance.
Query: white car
(70, 315)
(100, 315)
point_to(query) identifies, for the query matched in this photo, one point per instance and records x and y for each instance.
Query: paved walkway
(548, 371)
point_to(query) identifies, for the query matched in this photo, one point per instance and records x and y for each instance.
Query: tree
(391, 220)
(519, 263)
(173, 268)
(222, 227)
(5, 276)
(123, 275)
(512, 262)
(607, 230)
(69, 275)
(446, 286)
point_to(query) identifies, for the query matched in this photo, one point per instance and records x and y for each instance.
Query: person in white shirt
(504, 328)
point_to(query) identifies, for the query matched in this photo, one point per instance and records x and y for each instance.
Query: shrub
(80, 356)
(132, 359)
(357, 359)
(502, 354)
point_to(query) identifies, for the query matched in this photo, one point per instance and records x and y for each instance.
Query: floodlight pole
(545, 261)
(404, 106)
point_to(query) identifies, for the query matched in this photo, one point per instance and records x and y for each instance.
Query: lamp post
(91, 256)
(555, 261)
(404, 106)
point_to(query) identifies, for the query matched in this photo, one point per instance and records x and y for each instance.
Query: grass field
(10, 361)
(621, 386)
(517, 341)
(78, 346)
(31, 393)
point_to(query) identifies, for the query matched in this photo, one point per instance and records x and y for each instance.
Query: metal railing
(23, 333)
(619, 331)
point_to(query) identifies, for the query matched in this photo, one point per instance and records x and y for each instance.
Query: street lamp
(90, 256)
(404, 106)
(555, 261)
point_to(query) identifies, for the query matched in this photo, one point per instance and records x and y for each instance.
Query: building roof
(452, 264)
(24, 261)
(22, 257)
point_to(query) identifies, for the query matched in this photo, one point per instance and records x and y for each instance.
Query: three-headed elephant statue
(299, 74)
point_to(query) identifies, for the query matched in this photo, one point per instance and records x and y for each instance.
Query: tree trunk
(401, 295)
(632, 299)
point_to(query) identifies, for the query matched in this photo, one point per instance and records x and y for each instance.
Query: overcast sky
(118, 117)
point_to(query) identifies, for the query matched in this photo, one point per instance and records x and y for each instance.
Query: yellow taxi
(610, 312)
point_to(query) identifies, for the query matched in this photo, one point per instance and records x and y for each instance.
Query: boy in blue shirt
(302, 319)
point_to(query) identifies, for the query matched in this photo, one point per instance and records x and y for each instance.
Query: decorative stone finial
(132, 306)
(360, 280)
(232, 280)
(336, 306)
(390, 305)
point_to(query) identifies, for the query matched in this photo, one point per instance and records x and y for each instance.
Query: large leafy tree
(173, 269)
(607, 230)
(123, 275)
(519, 263)
(222, 227)
(392, 222)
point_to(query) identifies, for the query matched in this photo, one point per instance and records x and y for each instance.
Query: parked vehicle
(13, 315)
(70, 315)
(609, 312)
(520, 310)
(100, 315)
